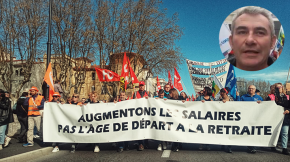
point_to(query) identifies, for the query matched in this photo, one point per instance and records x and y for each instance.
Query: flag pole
(287, 77)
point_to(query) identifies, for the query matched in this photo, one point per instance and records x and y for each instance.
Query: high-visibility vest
(139, 96)
(36, 102)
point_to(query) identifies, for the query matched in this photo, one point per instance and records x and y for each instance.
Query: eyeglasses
(279, 87)
(55, 96)
(167, 87)
(75, 96)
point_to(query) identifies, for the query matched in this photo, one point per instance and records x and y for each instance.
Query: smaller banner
(224, 35)
(219, 62)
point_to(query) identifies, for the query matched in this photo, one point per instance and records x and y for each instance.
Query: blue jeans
(2, 133)
(284, 135)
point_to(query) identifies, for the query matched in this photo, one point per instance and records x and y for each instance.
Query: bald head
(251, 90)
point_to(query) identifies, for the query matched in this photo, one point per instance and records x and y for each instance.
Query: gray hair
(254, 10)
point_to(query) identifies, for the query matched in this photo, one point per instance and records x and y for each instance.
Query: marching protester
(56, 98)
(22, 112)
(160, 94)
(225, 97)
(205, 95)
(68, 100)
(75, 101)
(83, 100)
(57, 88)
(250, 96)
(140, 94)
(35, 103)
(183, 96)
(166, 90)
(6, 117)
(124, 144)
(160, 143)
(174, 96)
(282, 99)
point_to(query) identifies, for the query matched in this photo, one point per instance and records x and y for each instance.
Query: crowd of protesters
(29, 108)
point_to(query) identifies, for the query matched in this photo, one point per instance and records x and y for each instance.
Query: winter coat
(6, 115)
(285, 103)
(21, 110)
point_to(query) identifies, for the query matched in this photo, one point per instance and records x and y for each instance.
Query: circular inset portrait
(251, 38)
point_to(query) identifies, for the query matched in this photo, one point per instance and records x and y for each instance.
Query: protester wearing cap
(35, 103)
(140, 94)
(55, 97)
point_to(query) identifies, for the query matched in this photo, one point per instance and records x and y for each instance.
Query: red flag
(158, 84)
(107, 75)
(125, 70)
(133, 76)
(170, 80)
(48, 78)
(177, 80)
(192, 97)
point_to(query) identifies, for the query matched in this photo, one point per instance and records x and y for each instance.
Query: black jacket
(284, 103)
(6, 115)
(20, 109)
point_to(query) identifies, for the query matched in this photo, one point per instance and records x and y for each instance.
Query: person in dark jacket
(6, 116)
(281, 99)
(21, 112)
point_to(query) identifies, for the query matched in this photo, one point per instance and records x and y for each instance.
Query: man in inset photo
(252, 39)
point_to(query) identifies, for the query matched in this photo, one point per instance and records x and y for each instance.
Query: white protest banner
(224, 39)
(230, 123)
(209, 71)
(190, 62)
(200, 83)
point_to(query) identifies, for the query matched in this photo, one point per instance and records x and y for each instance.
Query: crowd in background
(29, 108)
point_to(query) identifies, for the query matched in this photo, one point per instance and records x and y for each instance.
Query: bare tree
(21, 32)
(261, 85)
(73, 37)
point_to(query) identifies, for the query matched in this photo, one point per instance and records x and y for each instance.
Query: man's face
(75, 98)
(251, 90)
(32, 92)
(83, 100)
(69, 100)
(251, 42)
(161, 95)
(55, 98)
(167, 88)
(141, 87)
(7, 95)
(122, 96)
(93, 97)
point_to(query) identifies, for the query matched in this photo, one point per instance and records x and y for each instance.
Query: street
(189, 152)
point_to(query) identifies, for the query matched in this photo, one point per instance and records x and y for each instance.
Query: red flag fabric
(177, 80)
(133, 76)
(158, 84)
(192, 97)
(125, 70)
(48, 78)
(170, 80)
(107, 75)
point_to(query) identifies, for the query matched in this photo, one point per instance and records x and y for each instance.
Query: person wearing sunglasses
(282, 99)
